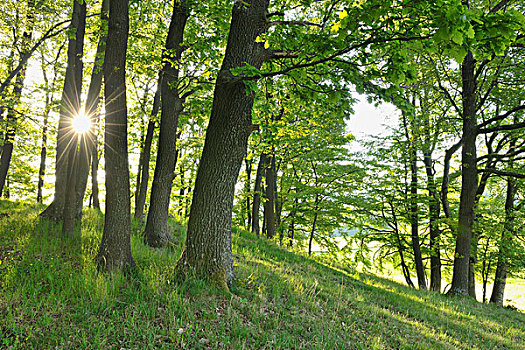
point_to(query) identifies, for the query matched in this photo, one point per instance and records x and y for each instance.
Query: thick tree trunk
(261, 168)
(70, 105)
(500, 279)
(208, 242)
(433, 214)
(156, 231)
(115, 248)
(145, 155)
(469, 180)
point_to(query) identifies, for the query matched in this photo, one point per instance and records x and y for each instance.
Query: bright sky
(369, 120)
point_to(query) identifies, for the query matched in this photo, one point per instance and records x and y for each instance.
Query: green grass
(51, 296)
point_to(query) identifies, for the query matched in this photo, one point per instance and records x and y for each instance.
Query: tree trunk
(115, 248)
(414, 221)
(94, 173)
(70, 105)
(142, 189)
(400, 248)
(263, 164)
(500, 279)
(43, 155)
(247, 187)
(270, 198)
(87, 141)
(316, 213)
(208, 241)
(433, 214)
(469, 180)
(156, 231)
(12, 119)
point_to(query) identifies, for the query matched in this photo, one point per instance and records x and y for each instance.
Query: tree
(70, 105)
(208, 240)
(115, 248)
(156, 231)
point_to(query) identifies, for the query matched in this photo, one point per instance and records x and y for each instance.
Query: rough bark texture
(263, 163)
(208, 242)
(500, 279)
(115, 248)
(70, 104)
(469, 180)
(156, 231)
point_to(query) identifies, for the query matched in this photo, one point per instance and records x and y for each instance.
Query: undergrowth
(52, 296)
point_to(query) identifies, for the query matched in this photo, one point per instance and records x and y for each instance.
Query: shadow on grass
(380, 312)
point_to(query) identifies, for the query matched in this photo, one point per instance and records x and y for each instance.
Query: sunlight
(81, 123)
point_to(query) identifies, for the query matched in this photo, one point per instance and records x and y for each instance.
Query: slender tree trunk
(87, 141)
(500, 279)
(142, 188)
(400, 248)
(43, 155)
(263, 164)
(414, 222)
(270, 196)
(208, 240)
(70, 105)
(156, 231)
(316, 213)
(12, 119)
(446, 178)
(433, 214)
(469, 180)
(291, 231)
(247, 187)
(115, 248)
(94, 174)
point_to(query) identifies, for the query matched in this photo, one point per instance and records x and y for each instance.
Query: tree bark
(142, 190)
(433, 214)
(270, 198)
(115, 248)
(88, 140)
(247, 187)
(12, 119)
(156, 231)
(208, 241)
(469, 180)
(500, 278)
(70, 105)
(263, 164)
(316, 213)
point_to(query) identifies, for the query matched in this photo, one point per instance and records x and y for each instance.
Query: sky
(369, 120)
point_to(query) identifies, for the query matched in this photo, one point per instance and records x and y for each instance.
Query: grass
(51, 296)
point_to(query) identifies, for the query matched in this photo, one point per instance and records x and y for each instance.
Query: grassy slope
(52, 297)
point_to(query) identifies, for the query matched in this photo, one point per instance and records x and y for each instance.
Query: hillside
(53, 297)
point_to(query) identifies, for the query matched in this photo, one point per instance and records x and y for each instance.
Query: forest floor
(52, 297)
